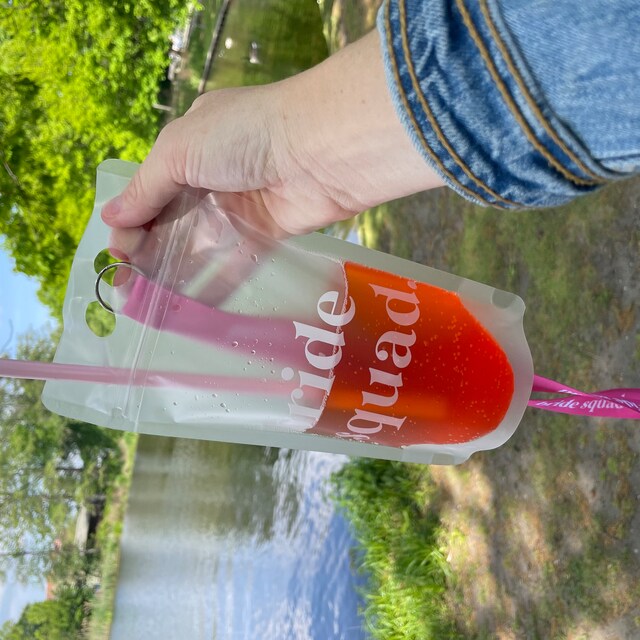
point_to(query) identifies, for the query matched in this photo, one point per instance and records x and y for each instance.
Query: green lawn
(541, 534)
(537, 539)
(108, 543)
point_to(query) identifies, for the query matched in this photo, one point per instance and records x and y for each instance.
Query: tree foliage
(78, 79)
(49, 465)
(57, 619)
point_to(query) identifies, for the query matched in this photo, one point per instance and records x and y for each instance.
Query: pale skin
(313, 149)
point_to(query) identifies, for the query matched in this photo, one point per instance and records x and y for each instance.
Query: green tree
(48, 466)
(78, 79)
(57, 619)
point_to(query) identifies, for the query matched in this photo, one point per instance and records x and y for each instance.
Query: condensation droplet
(234, 343)
(254, 257)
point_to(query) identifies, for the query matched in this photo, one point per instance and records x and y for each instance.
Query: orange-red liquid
(456, 387)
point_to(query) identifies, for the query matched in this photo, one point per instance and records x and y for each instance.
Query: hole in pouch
(99, 320)
(104, 259)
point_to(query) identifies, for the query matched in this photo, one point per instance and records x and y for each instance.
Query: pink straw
(31, 370)
(153, 305)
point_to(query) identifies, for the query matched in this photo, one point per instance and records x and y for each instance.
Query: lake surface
(227, 541)
(267, 40)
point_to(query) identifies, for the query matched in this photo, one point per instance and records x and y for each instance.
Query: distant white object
(163, 107)
(253, 53)
(177, 41)
(82, 529)
(175, 66)
(228, 43)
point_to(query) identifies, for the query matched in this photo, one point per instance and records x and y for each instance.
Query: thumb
(157, 181)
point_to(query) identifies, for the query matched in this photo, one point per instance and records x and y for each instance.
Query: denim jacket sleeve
(518, 103)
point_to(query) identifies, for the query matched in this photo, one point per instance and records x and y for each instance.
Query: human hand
(308, 151)
(230, 141)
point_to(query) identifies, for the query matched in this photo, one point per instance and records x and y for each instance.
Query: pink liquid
(439, 378)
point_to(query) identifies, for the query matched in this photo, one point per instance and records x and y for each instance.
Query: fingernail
(112, 209)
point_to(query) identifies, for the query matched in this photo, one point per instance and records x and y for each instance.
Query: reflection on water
(226, 541)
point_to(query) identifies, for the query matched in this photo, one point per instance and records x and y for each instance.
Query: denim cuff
(462, 90)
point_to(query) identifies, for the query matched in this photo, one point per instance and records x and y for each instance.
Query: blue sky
(20, 309)
(15, 596)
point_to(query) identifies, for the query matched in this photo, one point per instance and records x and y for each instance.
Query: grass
(542, 255)
(541, 534)
(108, 542)
(392, 512)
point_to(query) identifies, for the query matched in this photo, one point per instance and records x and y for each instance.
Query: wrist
(342, 130)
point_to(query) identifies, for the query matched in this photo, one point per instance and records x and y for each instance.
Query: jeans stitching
(434, 123)
(524, 125)
(527, 94)
(416, 126)
(414, 122)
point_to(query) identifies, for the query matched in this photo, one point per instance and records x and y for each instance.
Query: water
(227, 542)
(267, 40)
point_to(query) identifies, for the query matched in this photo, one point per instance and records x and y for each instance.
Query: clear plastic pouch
(222, 333)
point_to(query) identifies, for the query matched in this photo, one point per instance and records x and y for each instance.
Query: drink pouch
(223, 333)
(201, 325)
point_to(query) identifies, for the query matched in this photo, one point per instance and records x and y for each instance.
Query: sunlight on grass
(391, 508)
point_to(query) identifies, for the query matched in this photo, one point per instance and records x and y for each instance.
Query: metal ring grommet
(114, 265)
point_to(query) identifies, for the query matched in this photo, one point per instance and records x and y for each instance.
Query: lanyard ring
(114, 265)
